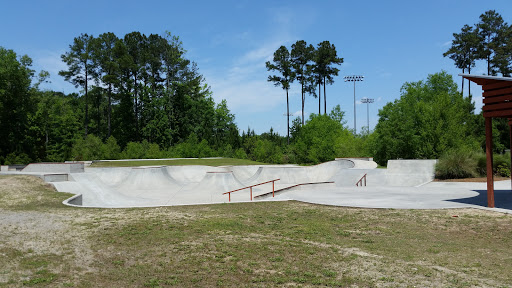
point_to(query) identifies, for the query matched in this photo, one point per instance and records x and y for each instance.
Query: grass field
(265, 244)
(178, 162)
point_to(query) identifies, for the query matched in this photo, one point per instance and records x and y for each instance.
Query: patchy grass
(178, 162)
(29, 193)
(260, 244)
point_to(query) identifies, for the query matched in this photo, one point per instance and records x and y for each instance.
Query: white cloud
(445, 44)
(244, 84)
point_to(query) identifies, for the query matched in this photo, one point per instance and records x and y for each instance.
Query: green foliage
(323, 139)
(16, 102)
(134, 150)
(487, 40)
(267, 151)
(501, 164)
(89, 148)
(455, 164)
(14, 158)
(111, 149)
(429, 118)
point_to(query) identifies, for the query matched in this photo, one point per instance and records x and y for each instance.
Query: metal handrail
(361, 180)
(250, 187)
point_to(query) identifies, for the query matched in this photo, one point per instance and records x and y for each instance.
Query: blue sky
(389, 42)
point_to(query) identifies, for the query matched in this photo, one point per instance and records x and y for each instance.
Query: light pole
(368, 101)
(354, 78)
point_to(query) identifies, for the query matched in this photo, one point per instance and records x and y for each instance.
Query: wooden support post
(275, 182)
(488, 151)
(510, 150)
(251, 193)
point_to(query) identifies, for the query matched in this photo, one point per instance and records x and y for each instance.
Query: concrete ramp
(148, 179)
(55, 167)
(190, 173)
(245, 173)
(400, 173)
(96, 194)
(112, 176)
(211, 188)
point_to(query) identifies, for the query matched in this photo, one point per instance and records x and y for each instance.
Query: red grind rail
(250, 187)
(361, 181)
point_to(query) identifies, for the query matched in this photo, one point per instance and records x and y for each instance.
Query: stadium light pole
(354, 78)
(368, 101)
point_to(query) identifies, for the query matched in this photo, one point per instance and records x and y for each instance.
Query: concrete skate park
(404, 184)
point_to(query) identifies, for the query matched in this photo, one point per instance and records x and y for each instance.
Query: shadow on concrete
(502, 199)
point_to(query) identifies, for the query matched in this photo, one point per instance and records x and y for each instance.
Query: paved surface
(434, 195)
(406, 184)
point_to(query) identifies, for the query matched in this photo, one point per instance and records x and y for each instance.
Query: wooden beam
(498, 106)
(498, 114)
(488, 152)
(498, 92)
(496, 85)
(498, 99)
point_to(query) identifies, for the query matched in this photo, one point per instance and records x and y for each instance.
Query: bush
(134, 150)
(456, 164)
(500, 167)
(240, 154)
(152, 151)
(89, 148)
(111, 149)
(14, 158)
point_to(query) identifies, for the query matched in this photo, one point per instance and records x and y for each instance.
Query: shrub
(153, 151)
(240, 154)
(134, 150)
(501, 164)
(89, 148)
(111, 149)
(14, 158)
(456, 164)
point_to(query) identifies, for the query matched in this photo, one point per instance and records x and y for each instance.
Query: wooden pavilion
(497, 100)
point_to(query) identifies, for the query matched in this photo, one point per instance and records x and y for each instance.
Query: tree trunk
(489, 65)
(86, 105)
(136, 102)
(319, 97)
(109, 108)
(302, 89)
(325, 100)
(288, 117)
(469, 82)
(462, 90)
(99, 116)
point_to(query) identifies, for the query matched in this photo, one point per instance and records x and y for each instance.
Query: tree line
(143, 88)
(309, 66)
(146, 100)
(132, 89)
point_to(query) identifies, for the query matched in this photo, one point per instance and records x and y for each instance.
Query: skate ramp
(210, 189)
(111, 176)
(190, 173)
(400, 173)
(182, 185)
(96, 194)
(245, 173)
(54, 167)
